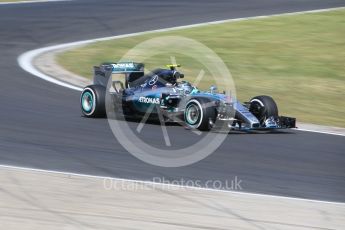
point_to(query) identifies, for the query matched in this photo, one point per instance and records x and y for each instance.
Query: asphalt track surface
(41, 124)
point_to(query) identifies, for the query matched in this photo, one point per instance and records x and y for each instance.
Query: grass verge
(299, 60)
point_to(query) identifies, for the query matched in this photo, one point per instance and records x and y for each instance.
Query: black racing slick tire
(263, 107)
(92, 101)
(198, 114)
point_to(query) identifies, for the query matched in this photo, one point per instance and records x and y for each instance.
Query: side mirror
(178, 75)
(213, 89)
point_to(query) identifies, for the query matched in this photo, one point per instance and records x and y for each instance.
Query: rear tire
(198, 114)
(92, 101)
(263, 107)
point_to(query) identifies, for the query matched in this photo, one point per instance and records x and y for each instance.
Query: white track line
(322, 132)
(25, 61)
(32, 1)
(151, 183)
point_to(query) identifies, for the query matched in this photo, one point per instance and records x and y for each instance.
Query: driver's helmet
(185, 86)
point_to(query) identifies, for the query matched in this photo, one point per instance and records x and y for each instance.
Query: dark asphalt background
(41, 124)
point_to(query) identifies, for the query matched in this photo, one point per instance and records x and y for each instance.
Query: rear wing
(103, 72)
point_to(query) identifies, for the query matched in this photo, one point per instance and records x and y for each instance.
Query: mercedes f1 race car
(162, 94)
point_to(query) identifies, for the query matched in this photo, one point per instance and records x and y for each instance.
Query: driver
(185, 86)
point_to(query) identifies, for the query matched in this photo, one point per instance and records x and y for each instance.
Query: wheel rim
(192, 114)
(87, 102)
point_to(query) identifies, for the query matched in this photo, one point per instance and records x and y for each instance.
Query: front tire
(263, 107)
(198, 114)
(92, 101)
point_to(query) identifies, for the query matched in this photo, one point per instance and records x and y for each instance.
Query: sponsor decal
(123, 65)
(153, 80)
(149, 100)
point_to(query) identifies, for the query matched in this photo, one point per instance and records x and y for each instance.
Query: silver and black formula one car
(162, 94)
